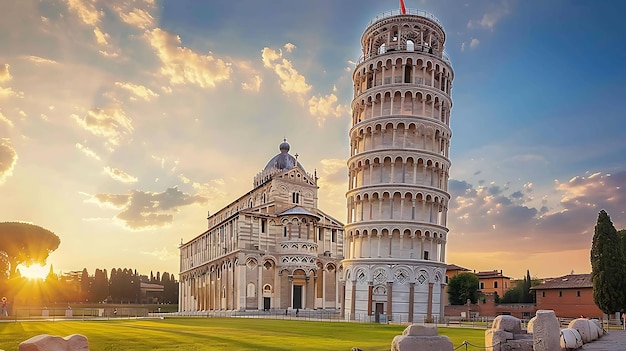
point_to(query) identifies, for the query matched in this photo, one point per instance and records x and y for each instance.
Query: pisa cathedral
(274, 249)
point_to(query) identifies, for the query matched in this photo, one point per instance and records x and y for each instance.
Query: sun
(34, 271)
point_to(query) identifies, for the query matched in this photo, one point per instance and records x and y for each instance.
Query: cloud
(144, 210)
(101, 38)
(289, 47)
(40, 60)
(5, 75)
(120, 175)
(291, 81)
(138, 90)
(5, 119)
(137, 17)
(85, 10)
(108, 122)
(325, 106)
(508, 221)
(8, 92)
(87, 151)
(333, 182)
(490, 19)
(254, 84)
(474, 43)
(214, 191)
(183, 66)
(8, 159)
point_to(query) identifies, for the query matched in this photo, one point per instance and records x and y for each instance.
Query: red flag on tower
(402, 8)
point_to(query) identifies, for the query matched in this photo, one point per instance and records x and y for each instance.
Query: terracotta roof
(453, 267)
(491, 274)
(570, 281)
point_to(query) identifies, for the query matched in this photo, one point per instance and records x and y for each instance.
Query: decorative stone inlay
(251, 263)
(380, 276)
(360, 276)
(421, 278)
(401, 276)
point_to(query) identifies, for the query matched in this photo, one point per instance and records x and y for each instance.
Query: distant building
(150, 292)
(493, 282)
(271, 248)
(452, 270)
(570, 296)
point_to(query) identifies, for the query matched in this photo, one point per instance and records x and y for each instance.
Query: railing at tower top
(408, 48)
(398, 12)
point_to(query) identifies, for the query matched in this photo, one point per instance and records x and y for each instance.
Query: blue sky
(123, 122)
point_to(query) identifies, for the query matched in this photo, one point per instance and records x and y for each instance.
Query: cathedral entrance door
(297, 296)
(266, 303)
(379, 310)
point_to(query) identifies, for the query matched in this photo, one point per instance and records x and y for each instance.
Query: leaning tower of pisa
(398, 168)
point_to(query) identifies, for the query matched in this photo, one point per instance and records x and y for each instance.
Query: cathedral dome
(283, 160)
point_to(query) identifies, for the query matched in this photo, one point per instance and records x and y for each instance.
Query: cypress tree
(608, 267)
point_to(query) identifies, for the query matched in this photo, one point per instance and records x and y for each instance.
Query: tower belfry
(397, 196)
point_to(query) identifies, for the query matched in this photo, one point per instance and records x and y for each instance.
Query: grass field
(222, 334)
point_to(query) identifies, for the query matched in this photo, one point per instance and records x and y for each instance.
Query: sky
(122, 123)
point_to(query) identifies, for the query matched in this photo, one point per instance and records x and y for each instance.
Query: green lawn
(222, 334)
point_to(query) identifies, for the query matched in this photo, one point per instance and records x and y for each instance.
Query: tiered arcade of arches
(390, 169)
(403, 68)
(398, 133)
(398, 170)
(398, 206)
(398, 242)
(402, 101)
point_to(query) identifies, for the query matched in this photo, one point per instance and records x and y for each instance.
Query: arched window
(295, 197)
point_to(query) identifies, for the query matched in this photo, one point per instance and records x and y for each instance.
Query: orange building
(494, 282)
(569, 296)
(489, 281)
(452, 270)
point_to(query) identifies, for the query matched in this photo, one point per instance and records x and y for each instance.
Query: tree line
(121, 286)
(27, 244)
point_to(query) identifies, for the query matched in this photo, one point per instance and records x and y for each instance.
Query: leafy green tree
(462, 287)
(24, 243)
(608, 267)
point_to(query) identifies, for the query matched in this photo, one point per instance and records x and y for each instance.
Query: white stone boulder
(531, 324)
(596, 322)
(421, 338)
(45, 342)
(420, 330)
(508, 323)
(584, 328)
(546, 331)
(570, 339)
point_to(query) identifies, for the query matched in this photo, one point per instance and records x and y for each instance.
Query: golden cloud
(182, 65)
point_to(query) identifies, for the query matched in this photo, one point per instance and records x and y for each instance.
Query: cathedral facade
(271, 248)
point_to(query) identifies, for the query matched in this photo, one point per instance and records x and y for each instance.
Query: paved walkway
(615, 340)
